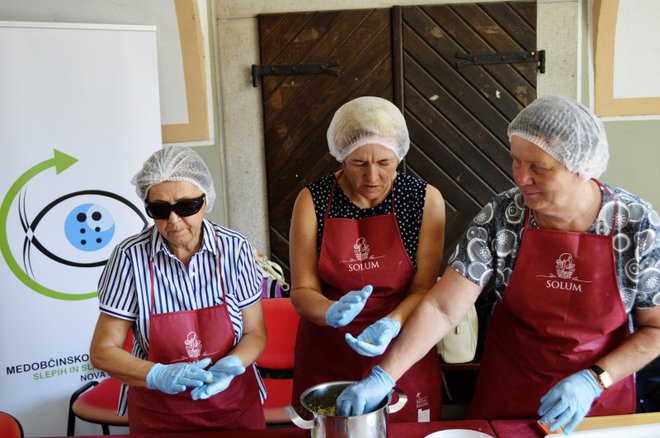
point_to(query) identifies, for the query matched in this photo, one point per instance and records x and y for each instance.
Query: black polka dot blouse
(409, 194)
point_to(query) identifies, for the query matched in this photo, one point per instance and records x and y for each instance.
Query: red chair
(276, 362)
(10, 427)
(96, 402)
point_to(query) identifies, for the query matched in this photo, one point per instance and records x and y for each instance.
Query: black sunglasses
(183, 208)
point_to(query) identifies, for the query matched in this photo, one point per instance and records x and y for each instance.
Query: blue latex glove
(569, 400)
(364, 396)
(223, 372)
(343, 311)
(174, 378)
(374, 339)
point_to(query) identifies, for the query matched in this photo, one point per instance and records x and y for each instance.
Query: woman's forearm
(121, 364)
(634, 353)
(249, 348)
(441, 309)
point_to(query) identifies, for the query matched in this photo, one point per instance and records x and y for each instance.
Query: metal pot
(370, 425)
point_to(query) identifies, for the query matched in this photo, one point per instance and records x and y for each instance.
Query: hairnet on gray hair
(568, 131)
(175, 163)
(367, 120)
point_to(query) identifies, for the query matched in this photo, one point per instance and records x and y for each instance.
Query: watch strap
(603, 377)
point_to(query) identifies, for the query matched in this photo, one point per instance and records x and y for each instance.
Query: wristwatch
(604, 378)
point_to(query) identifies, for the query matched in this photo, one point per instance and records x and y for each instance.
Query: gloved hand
(223, 372)
(343, 311)
(569, 400)
(374, 339)
(364, 396)
(174, 378)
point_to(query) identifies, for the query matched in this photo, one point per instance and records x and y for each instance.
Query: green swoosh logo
(61, 162)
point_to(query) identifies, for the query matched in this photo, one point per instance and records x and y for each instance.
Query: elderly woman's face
(370, 170)
(178, 231)
(546, 184)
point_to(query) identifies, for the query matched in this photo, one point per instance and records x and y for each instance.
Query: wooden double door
(457, 116)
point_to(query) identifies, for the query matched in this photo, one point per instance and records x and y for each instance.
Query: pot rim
(346, 383)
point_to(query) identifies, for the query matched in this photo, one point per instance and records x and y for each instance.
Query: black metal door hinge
(293, 69)
(537, 56)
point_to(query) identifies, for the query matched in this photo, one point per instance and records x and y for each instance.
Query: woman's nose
(522, 176)
(371, 173)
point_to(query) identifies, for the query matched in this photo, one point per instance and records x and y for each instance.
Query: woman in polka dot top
(366, 245)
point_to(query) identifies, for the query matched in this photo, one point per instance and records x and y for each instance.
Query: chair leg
(71, 423)
(106, 429)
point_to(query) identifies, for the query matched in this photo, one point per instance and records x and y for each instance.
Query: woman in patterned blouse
(576, 266)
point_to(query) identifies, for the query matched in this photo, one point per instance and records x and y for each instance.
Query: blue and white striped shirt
(125, 284)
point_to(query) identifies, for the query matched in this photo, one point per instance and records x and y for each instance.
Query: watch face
(605, 379)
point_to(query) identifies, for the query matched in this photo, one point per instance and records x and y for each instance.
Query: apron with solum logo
(190, 336)
(355, 253)
(561, 312)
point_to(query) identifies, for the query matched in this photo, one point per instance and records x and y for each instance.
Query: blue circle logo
(89, 227)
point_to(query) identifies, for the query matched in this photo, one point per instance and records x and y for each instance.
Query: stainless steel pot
(370, 425)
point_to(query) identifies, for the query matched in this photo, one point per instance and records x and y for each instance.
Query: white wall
(634, 141)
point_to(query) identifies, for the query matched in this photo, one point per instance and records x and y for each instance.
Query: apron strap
(151, 287)
(223, 292)
(616, 204)
(332, 193)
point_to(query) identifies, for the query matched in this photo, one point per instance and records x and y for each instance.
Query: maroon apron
(189, 336)
(355, 253)
(561, 312)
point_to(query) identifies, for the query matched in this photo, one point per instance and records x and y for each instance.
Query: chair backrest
(105, 394)
(282, 324)
(96, 402)
(10, 426)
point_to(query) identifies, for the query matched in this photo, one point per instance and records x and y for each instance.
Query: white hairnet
(567, 130)
(367, 120)
(175, 163)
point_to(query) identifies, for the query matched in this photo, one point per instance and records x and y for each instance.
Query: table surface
(520, 428)
(395, 430)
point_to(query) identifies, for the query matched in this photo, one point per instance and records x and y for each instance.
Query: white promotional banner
(79, 113)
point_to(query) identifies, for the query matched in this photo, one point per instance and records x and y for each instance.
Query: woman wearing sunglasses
(189, 290)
